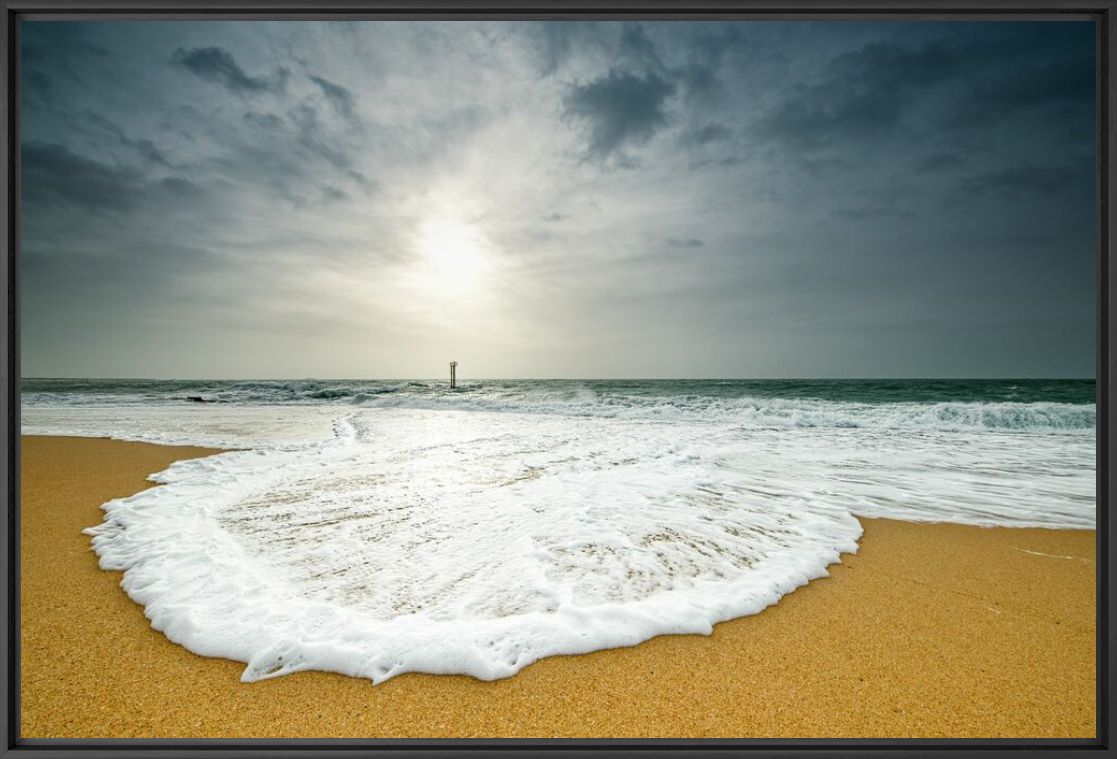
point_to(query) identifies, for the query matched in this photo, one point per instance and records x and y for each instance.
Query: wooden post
(453, 374)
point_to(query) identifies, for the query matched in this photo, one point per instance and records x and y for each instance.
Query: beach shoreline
(930, 630)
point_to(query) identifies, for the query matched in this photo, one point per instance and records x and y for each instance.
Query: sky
(371, 199)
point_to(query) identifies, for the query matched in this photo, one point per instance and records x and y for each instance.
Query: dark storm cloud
(637, 50)
(64, 52)
(341, 99)
(940, 162)
(620, 109)
(52, 175)
(180, 189)
(1025, 68)
(863, 95)
(704, 135)
(1062, 83)
(872, 212)
(266, 121)
(144, 147)
(148, 151)
(980, 80)
(66, 39)
(699, 81)
(38, 83)
(1028, 180)
(218, 65)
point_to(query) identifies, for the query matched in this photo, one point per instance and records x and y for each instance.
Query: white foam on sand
(207, 425)
(478, 542)
(457, 546)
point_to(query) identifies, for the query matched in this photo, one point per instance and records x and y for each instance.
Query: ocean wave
(764, 413)
(580, 401)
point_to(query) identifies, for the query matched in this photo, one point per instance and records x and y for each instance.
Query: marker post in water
(453, 374)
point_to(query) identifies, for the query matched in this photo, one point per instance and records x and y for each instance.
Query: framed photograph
(414, 378)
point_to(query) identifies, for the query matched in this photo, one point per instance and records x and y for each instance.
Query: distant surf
(375, 528)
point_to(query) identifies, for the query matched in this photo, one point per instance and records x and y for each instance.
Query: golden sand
(928, 631)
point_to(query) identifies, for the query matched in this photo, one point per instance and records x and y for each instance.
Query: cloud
(620, 109)
(553, 44)
(341, 99)
(699, 81)
(1028, 86)
(690, 242)
(37, 85)
(704, 135)
(939, 162)
(637, 50)
(53, 175)
(265, 121)
(871, 212)
(955, 88)
(290, 156)
(181, 189)
(144, 147)
(313, 137)
(1027, 180)
(215, 64)
(862, 96)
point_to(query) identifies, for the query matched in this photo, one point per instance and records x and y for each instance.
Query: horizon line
(575, 379)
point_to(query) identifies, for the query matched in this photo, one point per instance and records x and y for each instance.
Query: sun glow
(453, 253)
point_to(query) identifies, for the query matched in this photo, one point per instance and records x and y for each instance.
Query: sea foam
(456, 543)
(477, 542)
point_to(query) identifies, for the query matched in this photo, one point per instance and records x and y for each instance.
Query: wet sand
(928, 631)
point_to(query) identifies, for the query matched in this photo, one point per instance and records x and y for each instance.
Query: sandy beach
(930, 630)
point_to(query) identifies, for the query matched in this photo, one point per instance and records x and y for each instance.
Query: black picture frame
(1101, 11)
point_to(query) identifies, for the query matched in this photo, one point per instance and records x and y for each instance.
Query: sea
(374, 528)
